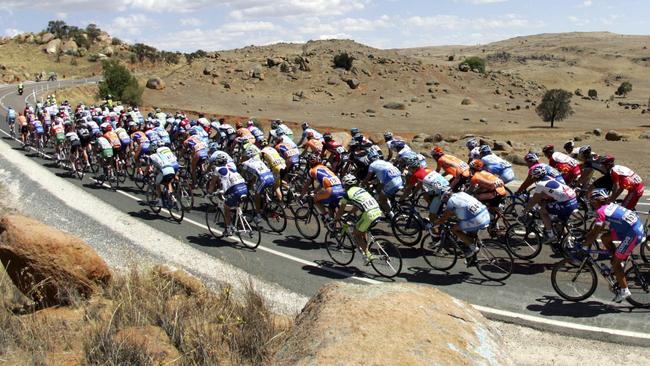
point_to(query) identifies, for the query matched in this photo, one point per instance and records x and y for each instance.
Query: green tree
(120, 84)
(93, 32)
(195, 55)
(475, 63)
(57, 27)
(624, 89)
(555, 106)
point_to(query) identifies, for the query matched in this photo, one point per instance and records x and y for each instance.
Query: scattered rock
(597, 132)
(427, 327)
(332, 81)
(353, 83)
(501, 146)
(645, 135)
(257, 73)
(464, 67)
(46, 38)
(516, 159)
(484, 120)
(613, 135)
(45, 263)
(108, 51)
(156, 83)
(577, 138)
(415, 100)
(395, 105)
(69, 47)
(369, 110)
(52, 46)
(466, 101)
(153, 341)
(451, 139)
(274, 61)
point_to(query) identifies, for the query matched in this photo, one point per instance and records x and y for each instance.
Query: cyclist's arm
(368, 178)
(343, 204)
(592, 235)
(448, 214)
(585, 176)
(616, 191)
(525, 185)
(537, 198)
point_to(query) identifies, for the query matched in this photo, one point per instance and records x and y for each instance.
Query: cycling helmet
(251, 152)
(191, 132)
(274, 124)
(156, 123)
(538, 172)
(485, 150)
(98, 134)
(108, 128)
(358, 137)
(373, 155)
(354, 131)
(585, 151)
(476, 164)
(184, 122)
(607, 160)
(193, 123)
(250, 123)
(599, 194)
(548, 149)
(471, 144)
(399, 145)
(568, 146)
(327, 137)
(310, 134)
(221, 160)
(263, 142)
(241, 140)
(412, 162)
(437, 152)
(305, 125)
(388, 136)
(279, 132)
(313, 160)
(531, 157)
(153, 146)
(446, 193)
(349, 180)
(238, 125)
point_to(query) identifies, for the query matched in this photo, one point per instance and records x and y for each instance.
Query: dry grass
(76, 94)
(207, 328)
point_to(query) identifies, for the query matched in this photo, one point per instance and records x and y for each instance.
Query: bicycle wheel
(407, 228)
(248, 232)
(574, 283)
(645, 251)
(307, 222)
(638, 282)
(494, 261)
(140, 182)
(130, 167)
(112, 179)
(79, 168)
(340, 248)
(186, 196)
(387, 258)
(439, 254)
(275, 216)
(214, 219)
(523, 242)
(174, 206)
(150, 197)
(121, 172)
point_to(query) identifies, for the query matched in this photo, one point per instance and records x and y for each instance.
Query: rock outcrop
(390, 325)
(156, 83)
(48, 265)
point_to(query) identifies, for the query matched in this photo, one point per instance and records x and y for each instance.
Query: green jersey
(360, 198)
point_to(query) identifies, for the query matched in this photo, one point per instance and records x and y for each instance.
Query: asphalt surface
(303, 266)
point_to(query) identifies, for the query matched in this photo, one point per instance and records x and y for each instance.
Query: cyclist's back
(499, 167)
(473, 215)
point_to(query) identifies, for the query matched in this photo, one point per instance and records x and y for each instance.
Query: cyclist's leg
(632, 198)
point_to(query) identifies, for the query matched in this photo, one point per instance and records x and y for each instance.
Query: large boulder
(47, 264)
(156, 83)
(46, 37)
(403, 324)
(52, 46)
(501, 146)
(153, 341)
(108, 51)
(70, 47)
(613, 135)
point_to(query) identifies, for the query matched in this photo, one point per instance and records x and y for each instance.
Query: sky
(188, 25)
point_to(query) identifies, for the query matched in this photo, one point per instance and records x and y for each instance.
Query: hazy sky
(187, 25)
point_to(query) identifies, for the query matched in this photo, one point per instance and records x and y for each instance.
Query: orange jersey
(453, 166)
(488, 182)
(324, 176)
(112, 137)
(315, 146)
(247, 134)
(22, 120)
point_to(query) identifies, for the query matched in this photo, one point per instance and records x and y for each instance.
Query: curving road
(303, 266)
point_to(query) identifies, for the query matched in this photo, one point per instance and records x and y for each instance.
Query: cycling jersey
(197, 146)
(473, 215)
(73, 139)
(334, 148)
(215, 155)
(392, 145)
(435, 184)
(59, 132)
(499, 167)
(406, 153)
(261, 171)
(317, 135)
(313, 145)
(139, 138)
(568, 166)
(112, 137)
(124, 137)
(105, 147)
(289, 152)
(488, 182)
(232, 184)
(251, 146)
(257, 132)
(418, 176)
(246, 134)
(273, 158)
(563, 198)
(453, 166)
(93, 126)
(625, 225)
(626, 178)
(286, 129)
(163, 135)
(388, 175)
(595, 162)
(475, 153)
(152, 135)
(368, 206)
(168, 156)
(324, 176)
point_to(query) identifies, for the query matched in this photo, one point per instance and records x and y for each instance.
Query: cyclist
(277, 164)
(332, 151)
(166, 165)
(11, 118)
(571, 149)
(312, 146)
(306, 129)
(245, 133)
(625, 179)
(394, 145)
(415, 177)
(125, 141)
(288, 150)
(198, 149)
(453, 166)
(568, 166)
(473, 217)
(105, 149)
(485, 186)
(358, 199)
(624, 226)
(278, 124)
(389, 178)
(330, 190)
(75, 144)
(256, 131)
(592, 163)
(553, 197)
(217, 155)
(496, 165)
(262, 178)
(24, 128)
(112, 137)
(57, 131)
(473, 147)
(86, 138)
(233, 188)
(532, 160)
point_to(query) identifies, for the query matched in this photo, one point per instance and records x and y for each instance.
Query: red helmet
(310, 134)
(476, 164)
(437, 152)
(109, 127)
(184, 122)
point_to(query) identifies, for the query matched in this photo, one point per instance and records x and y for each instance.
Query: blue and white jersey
(499, 167)
(163, 134)
(230, 178)
(407, 153)
(11, 114)
(435, 183)
(257, 167)
(257, 132)
(465, 206)
(620, 219)
(551, 188)
(384, 171)
(286, 129)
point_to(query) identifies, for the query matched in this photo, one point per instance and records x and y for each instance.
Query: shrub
(119, 82)
(624, 89)
(343, 61)
(475, 63)
(195, 55)
(592, 93)
(116, 41)
(555, 106)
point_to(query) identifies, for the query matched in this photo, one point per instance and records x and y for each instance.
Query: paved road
(303, 266)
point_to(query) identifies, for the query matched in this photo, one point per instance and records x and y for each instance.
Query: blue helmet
(485, 150)
(599, 194)
(373, 155)
(399, 144)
